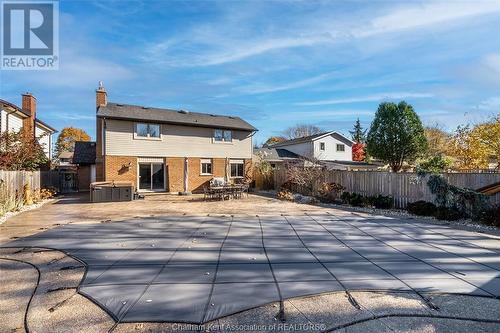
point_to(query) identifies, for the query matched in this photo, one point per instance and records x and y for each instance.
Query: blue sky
(274, 63)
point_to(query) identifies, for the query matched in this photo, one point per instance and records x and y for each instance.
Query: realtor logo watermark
(30, 35)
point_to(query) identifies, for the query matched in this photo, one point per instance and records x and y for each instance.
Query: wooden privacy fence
(12, 182)
(403, 187)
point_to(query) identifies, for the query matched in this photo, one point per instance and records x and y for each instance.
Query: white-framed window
(147, 131)
(237, 168)
(322, 146)
(206, 166)
(221, 135)
(340, 147)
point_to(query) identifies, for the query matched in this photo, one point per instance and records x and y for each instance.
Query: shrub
(353, 199)
(422, 208)
(434, 165)
(47, 193)
(329, 192)
(285, 194)
(448, 214)
(491, 216)
(467, 202)
(383, 202)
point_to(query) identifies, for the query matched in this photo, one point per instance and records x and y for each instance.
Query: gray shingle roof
(178, 117)
(84, 152)
(275, 154)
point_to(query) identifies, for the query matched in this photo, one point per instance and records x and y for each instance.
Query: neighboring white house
(15, 119)
(329, 146)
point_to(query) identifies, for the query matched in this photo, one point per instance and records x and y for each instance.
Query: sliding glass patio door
(151, 176)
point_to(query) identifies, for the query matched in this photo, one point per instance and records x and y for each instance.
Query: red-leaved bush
(358, 152)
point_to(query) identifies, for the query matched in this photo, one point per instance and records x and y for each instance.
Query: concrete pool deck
(222, 271)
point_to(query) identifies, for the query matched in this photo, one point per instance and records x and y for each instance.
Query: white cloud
(366, 98)
(261, 89)
(227, 41)
(79, 71)
(185, 52)
(427, 14)
(323, 114)
(254, 48)
(492, 61)
(492, 103)
(70, 116)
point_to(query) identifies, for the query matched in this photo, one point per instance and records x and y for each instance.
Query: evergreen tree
(357, 134)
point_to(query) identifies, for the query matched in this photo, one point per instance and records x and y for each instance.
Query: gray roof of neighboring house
(351, 164)
(275, 154)
(84, 152)
(310, 138)
(178, 117)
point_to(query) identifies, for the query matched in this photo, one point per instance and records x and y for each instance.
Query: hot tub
(111, 191)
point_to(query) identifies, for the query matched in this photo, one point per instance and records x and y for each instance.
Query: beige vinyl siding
(176, 141)
(44, 140)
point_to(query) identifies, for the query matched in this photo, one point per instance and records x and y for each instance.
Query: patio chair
(207, 193)
(245, 188)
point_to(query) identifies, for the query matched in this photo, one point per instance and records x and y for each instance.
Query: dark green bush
(448, 214)
(356, 200)
(345, 197)
(353, 199)
(422, 208)
(379, 201)
(383, 202)
(491, 216)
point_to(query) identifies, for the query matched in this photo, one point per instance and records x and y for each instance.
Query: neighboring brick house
(157, 149)
(14, 118)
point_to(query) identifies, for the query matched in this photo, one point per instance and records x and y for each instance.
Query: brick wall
(116, 168)
(175, 167)
(198, 181)
(174, 171)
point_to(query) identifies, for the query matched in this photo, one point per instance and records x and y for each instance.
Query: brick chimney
(29, 107)
(101, 96)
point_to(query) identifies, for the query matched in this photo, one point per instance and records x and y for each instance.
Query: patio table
(227, 191)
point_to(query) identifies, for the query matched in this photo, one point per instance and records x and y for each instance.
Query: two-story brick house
(157, 149)
(14, 119)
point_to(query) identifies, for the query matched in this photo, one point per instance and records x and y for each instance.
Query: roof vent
(183, 111)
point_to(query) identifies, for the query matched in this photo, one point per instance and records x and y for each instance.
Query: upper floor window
(223, 135)
(144, 130)
(322, 146)
(340, 147)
